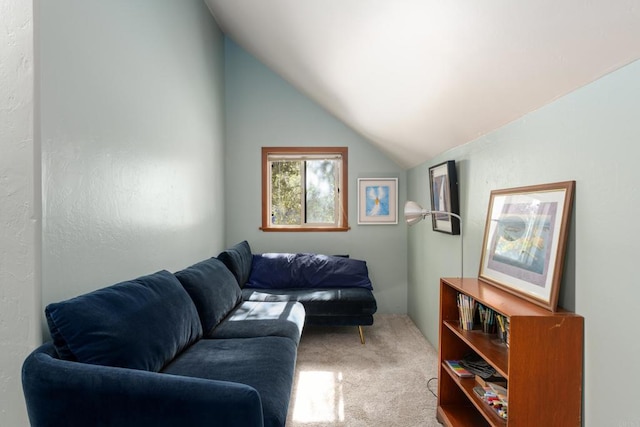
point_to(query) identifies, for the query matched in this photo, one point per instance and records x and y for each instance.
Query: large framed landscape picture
(525, 240)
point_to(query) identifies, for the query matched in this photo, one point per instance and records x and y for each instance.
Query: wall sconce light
(414, 213)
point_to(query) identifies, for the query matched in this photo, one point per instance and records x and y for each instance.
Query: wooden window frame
(343, 188)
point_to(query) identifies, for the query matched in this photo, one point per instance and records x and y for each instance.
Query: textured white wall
(132, 140)
(590, 136)
(19, 207)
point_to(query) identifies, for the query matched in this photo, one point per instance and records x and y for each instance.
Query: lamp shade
(414, 213)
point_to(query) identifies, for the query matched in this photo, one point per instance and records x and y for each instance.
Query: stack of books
(467, 311)
(487, 318)
(495, 396)
(457, 369)
(503, 328)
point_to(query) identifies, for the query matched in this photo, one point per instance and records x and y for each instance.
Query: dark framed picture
(443, 182)
(525, 240)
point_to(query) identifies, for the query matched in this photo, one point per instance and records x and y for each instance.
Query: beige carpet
(340, 382)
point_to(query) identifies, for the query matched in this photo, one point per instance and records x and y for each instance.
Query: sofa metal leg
(361, 334)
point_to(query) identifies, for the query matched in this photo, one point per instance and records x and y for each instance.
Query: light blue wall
(132, 140)
(19, 206)
(590, 136)
(264, 110)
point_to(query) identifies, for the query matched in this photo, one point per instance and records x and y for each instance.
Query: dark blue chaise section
(334, 290)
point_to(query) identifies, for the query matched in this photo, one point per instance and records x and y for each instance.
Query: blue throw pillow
(139, 324)
(238, 260)
(213, 290)
(291, 271)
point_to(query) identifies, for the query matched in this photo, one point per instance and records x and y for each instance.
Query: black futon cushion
(320, 302)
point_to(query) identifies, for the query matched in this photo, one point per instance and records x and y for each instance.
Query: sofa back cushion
(139, 324)
(213, 290)
(304, 271)
(238, 260)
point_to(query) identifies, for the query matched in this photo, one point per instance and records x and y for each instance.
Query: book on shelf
(493, 379)
(467, 311)
(479, 390)
(487, 319)
(499, 390)
(458, 369)
(495, 397)
(503, 328)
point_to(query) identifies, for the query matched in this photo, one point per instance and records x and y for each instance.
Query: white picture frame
(377, 201)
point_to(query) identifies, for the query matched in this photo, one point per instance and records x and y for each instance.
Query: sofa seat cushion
(264, 363)
(238, 259)
(321, 302)
(138, 324)
(262, 319)
(213, 289)
(309, 271)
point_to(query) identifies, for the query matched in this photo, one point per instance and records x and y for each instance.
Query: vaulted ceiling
(418, 77)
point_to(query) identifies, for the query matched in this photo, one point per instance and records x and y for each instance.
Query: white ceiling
(418, 77)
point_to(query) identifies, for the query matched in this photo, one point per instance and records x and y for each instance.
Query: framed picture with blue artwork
(525, 240)
(443, 182)
(377, 201)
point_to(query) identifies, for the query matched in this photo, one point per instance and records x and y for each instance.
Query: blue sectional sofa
(174, 350)
(335, 290)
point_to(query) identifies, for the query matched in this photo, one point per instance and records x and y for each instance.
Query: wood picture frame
(443, 184)
(525, 240)
(377, 201)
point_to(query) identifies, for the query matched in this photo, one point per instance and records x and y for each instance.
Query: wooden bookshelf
(543, 363)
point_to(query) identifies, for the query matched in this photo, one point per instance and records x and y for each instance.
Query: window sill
(303, 229)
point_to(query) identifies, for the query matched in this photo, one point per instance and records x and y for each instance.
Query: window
(304, 189)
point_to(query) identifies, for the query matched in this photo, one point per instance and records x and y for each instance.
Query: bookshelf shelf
(466, 385)
(543, 363)
(487, 346)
